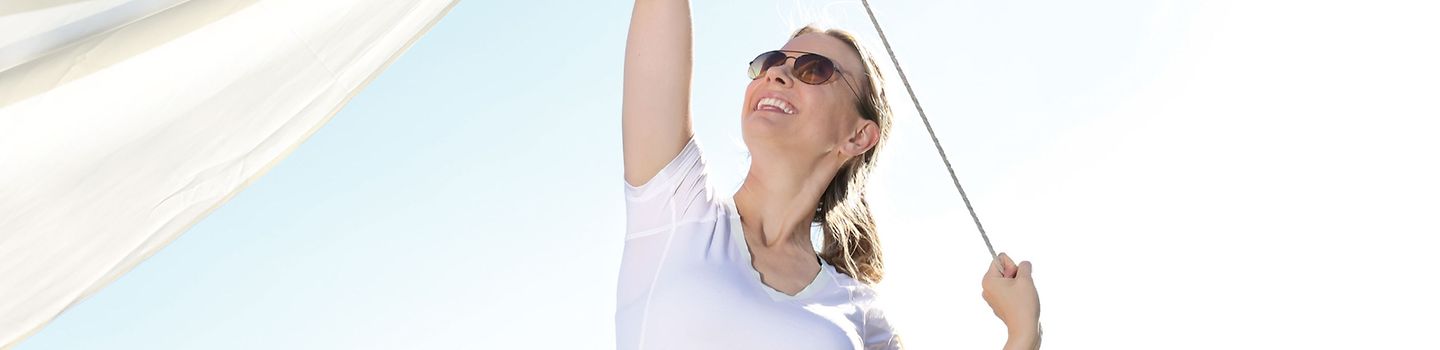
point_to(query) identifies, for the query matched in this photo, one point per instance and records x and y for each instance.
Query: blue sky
(1174, 169)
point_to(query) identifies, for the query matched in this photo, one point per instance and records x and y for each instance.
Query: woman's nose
(779, 75)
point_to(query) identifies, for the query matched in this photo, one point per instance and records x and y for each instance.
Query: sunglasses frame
(788, 58)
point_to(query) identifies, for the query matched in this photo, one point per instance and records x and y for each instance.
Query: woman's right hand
(1010, 291)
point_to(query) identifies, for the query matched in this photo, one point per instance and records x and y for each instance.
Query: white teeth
(775, 102)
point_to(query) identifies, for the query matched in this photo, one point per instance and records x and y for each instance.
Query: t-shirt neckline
(737, 234)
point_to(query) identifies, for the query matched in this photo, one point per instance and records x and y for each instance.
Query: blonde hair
(851, 242)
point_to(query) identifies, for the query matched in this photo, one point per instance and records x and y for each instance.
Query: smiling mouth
(774, 105)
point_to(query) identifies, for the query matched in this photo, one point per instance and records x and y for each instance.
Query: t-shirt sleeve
(678, 194)
(880, 333)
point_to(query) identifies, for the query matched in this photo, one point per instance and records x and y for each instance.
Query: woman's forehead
(828, 46)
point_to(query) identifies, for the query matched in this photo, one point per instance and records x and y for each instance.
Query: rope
(938, 148)
(931, 130)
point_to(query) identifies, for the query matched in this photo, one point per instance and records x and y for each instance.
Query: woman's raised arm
(655, 112)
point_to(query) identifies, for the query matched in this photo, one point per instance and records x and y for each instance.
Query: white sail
(124, 122)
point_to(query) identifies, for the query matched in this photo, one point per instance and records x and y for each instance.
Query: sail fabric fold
(125, 122)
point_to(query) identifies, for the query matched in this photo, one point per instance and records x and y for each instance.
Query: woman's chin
(766, 121)
(759, 126)
(760, 134)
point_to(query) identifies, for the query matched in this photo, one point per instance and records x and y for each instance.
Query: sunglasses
(810, 68)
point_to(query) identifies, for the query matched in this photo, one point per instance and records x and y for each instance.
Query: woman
(703, 270)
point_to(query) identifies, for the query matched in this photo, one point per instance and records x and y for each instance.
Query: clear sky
(1253, 174)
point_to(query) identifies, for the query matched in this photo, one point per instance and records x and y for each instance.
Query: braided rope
(930, 129)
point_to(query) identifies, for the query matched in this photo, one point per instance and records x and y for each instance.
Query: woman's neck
(780, 202)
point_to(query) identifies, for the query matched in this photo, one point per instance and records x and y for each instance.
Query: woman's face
(821, 119)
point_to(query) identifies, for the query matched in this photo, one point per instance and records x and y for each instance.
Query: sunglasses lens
(813, 69)
(764, 62)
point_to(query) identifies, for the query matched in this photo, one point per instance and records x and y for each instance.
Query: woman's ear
(863, 139)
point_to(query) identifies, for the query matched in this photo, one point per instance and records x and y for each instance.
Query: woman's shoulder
(860, 292)
(679, 194)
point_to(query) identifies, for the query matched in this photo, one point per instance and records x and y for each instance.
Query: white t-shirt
(686, 280)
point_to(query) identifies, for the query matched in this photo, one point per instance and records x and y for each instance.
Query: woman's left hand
(1010, 291)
